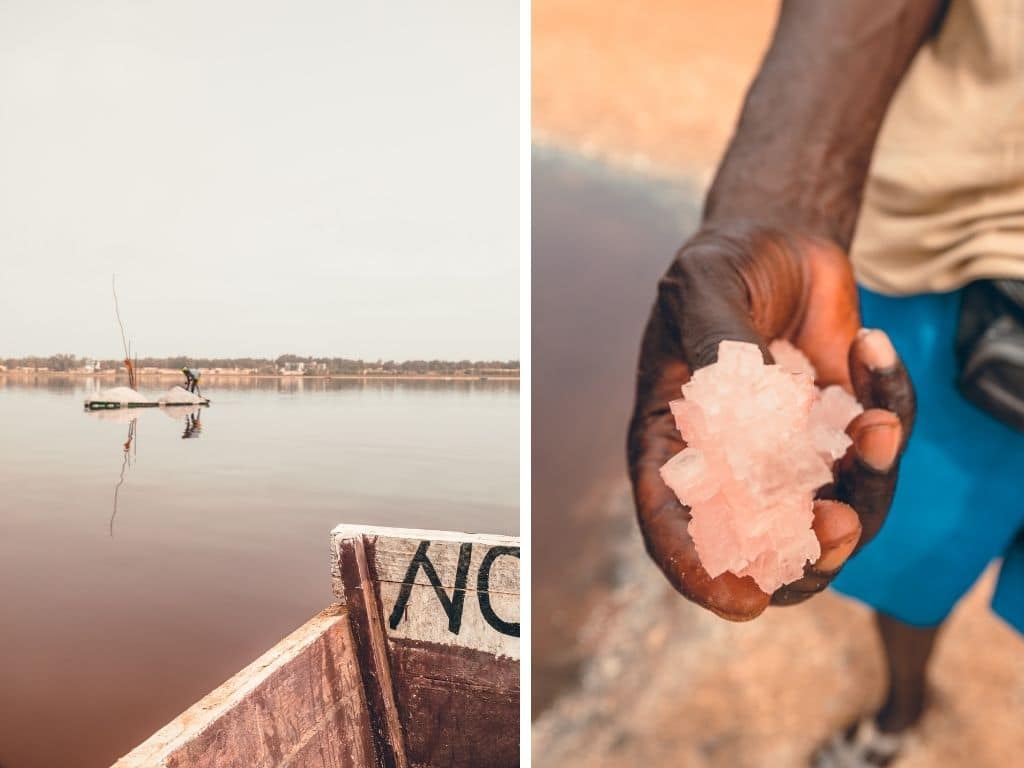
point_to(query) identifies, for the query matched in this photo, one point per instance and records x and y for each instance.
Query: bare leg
(907, 651)
(876, 741)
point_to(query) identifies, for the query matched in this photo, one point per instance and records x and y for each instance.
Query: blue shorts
(959, 501)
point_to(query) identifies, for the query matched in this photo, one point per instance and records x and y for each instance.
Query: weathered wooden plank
(395, 554)
(419, 668)
(490, 625)
(396, 547)
(462, 713)
(363, 604)
(450, 641)
(439, 586)
(300, 704)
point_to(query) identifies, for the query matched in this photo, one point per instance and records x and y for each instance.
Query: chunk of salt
(761, 439)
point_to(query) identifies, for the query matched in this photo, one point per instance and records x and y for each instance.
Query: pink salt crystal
(719, 542)
(834, 409)
(740, 357)
(790, 359)
(688, 472)
(761, 440)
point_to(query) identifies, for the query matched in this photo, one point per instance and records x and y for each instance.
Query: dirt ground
(653, 86)
(630, 673)
(667, 684)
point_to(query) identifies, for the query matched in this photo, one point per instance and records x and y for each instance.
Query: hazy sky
(329, 178)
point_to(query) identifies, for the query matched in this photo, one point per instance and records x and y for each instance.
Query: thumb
(710, 300)
(738, 282)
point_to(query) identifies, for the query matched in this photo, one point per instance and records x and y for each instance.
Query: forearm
(801, 151)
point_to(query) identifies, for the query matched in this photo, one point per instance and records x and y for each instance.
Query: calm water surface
(601, 240)
(112, 624)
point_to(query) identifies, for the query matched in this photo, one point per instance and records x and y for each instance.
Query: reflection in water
(296, 385)
(172, 605)
(601, 240)
(190, 415)
(193, 426)
(129, 451)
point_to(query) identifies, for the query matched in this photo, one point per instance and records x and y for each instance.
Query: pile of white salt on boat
(760, 440)
(181, 396)
(122, 395)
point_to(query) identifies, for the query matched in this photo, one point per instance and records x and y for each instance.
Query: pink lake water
(219, 547)
(601, 240)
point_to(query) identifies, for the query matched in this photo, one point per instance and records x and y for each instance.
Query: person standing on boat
(936, 196)
(192, 377)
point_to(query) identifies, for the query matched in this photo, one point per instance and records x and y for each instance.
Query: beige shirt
(944, 203)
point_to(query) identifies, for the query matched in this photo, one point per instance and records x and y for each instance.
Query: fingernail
(838, 529)
(876, 350)
(878, 443)
(838, 555)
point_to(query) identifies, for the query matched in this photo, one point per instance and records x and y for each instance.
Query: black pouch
(990, 349)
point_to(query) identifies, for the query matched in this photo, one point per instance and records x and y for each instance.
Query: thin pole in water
(124, 339)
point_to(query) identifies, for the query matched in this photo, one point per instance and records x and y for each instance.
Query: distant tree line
(53, 362)
(311, 366)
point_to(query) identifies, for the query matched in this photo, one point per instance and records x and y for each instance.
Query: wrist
(810, 180)
(761, 228)
(800, 155)
(829, 217)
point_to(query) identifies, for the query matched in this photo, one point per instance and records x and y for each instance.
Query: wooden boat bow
(415, 666)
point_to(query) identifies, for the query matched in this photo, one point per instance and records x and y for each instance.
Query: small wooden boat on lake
(415, 666)
(126, 397)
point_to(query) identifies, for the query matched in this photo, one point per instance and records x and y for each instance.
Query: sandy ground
(668, 684)
(654, 86)
(626, 673)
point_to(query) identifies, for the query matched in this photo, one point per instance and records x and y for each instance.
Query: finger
(653, 440)
(664, 522)
(866, 475)
(838, 529)
(880, 379)
(735, 282)
(831, 318)
(877, 438)
(710, 300)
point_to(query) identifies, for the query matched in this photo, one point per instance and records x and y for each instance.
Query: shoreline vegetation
(120, 376)
(283, 367)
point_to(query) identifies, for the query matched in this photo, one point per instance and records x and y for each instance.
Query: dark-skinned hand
(752, 283)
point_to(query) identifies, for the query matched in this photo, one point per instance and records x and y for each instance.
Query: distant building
(293, 369)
